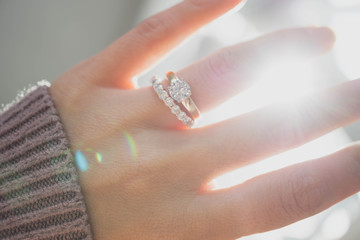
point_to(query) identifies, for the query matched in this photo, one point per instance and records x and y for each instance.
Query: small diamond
(169, 102)
(179, 90)
(163, 95)
(154, 80)
(158, 88)
(175, 109)
(188, 122)
(157, 85)
(182, 116)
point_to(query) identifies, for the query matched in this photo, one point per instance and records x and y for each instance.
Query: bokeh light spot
(98, 157)
(347, 48)
(81, 161)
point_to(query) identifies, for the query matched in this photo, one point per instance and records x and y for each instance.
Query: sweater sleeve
(40, 197)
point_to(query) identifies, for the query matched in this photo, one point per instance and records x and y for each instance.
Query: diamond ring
(180, 91)
(175, 109)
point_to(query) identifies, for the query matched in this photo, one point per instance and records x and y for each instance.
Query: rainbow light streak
(98, 157)
(132, 145)
(81, 161)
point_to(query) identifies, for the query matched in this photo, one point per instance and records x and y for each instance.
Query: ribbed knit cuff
(40, 197)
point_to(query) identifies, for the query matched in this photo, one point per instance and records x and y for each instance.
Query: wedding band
(179, 90)
(175, 109)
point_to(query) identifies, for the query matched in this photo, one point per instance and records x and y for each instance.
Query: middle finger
(222, 75)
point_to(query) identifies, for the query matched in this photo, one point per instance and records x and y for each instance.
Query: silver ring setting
(169, 102)
(180, 91)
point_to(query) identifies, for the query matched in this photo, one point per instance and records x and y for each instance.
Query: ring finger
(223, 74)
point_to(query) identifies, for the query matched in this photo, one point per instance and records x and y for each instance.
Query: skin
(163, 192)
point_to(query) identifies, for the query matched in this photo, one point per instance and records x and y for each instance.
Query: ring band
(180, 91)
(175, 109)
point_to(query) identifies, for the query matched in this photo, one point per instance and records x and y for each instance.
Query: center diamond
(179, 90)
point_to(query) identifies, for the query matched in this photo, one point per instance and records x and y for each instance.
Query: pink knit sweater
(40, 197)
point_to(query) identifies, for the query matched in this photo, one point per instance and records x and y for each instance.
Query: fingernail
(322, 38)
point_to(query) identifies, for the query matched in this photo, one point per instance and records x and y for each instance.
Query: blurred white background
(40, 39)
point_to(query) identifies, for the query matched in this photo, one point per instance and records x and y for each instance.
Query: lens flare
(347, 49)
(98, 157)
(81, 161)
(345, 3)
(131, 144)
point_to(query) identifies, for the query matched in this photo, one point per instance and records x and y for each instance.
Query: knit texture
(40, 197)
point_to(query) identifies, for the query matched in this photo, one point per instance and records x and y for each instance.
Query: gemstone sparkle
(163, 95)
(179, 90)
(169, 102)
(175, 109)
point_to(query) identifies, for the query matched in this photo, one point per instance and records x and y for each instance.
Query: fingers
(220, 76)
(285, 196)
(153, 38)
(276, 128)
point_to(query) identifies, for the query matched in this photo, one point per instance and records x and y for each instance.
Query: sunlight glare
(345, 3)
(303, 229)
(314, 149)
(347, 47)
(276, 85)
(336, 225)
(291, 82)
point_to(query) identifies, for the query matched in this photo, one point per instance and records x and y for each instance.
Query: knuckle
(204, 4)
(221, 62)
(219, 66)
(285, 130)
(288, 133)
(153, 26)
(198, 3)
(301, 196)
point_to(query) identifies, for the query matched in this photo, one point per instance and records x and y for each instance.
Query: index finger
(154, 37)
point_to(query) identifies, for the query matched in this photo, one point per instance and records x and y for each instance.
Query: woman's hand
(151, 182)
